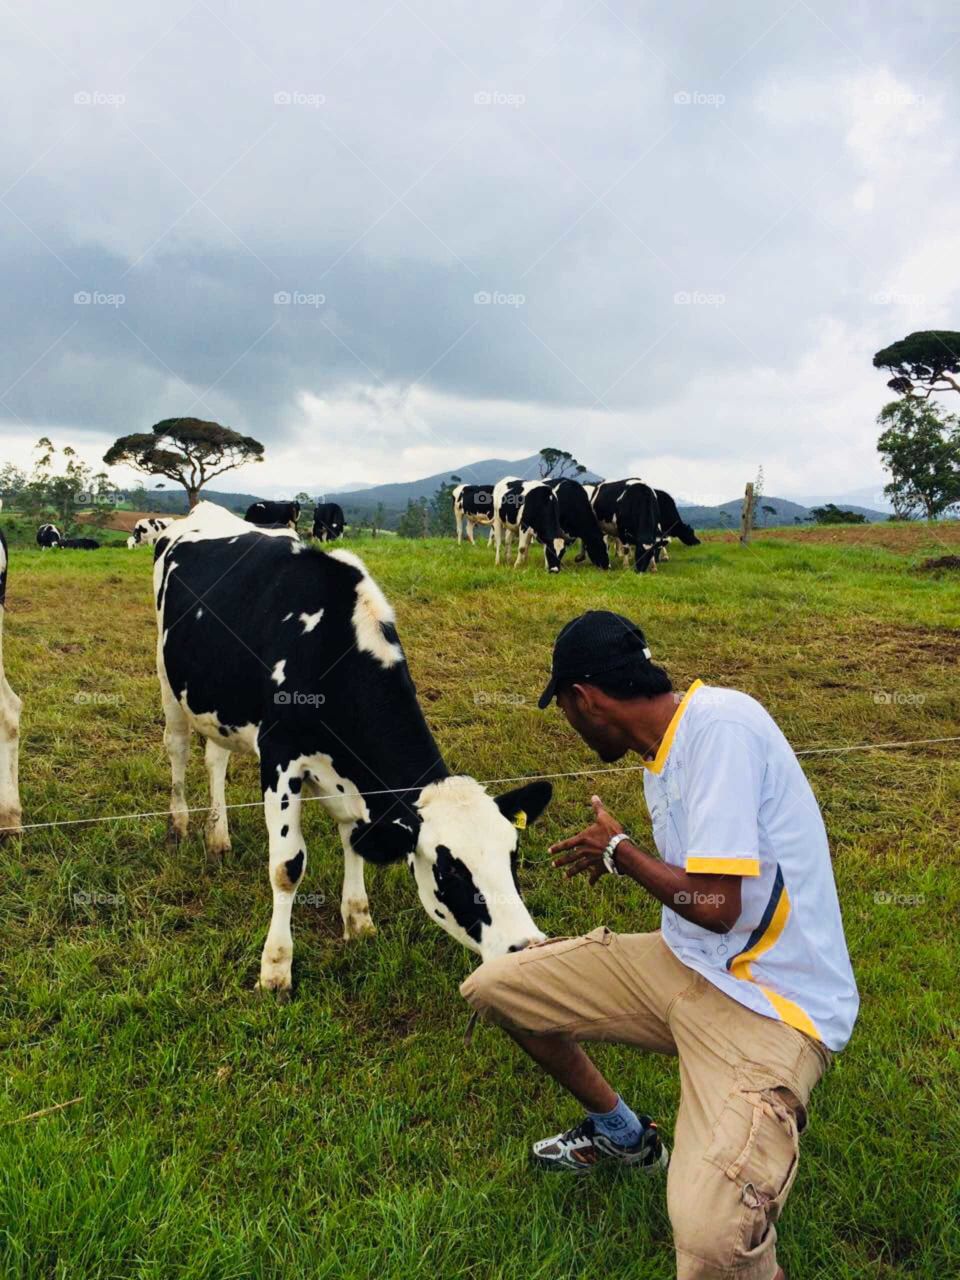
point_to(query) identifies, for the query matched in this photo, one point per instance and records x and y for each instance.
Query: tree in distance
(187, 450)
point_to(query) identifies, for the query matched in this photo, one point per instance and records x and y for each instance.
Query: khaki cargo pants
(745, 1080)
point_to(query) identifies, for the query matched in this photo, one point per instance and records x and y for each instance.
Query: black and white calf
(273, 513)
(472, 505)
(628, 511)
(671, 525)
(328, 521)
(291, 653)
(9, 726)
(80, 544)
(48, 535)
(578, 520)
(146, 531)
(529, 509)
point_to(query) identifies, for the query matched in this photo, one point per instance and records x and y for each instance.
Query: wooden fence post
(746, 515)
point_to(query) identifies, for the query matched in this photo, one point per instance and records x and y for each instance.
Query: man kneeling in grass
(747, 982)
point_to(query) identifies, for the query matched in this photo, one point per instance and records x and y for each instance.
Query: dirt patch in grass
(123, 521)
(904, 539)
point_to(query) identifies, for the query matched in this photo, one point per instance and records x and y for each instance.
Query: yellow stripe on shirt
(740, 968)
(724, 866)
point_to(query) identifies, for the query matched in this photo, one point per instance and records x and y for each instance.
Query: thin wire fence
(487, 782)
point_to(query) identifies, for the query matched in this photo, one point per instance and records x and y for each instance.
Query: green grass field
(350, 1133)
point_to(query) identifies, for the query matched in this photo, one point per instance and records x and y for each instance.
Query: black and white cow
(146, 531)
(472, 505)
(291, 653)
(628, 511)
(48, 535)
(529, 509)
(9, 726)
(578, 520)
(273, 514)
(80, 544)
(671, 525)
(328, 521)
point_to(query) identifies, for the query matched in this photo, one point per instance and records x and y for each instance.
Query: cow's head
(687, 535)
(465, 862)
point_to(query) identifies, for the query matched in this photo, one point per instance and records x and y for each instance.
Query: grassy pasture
(350, 1133)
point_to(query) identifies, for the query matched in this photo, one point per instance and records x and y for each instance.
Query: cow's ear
(388, 839)
(526, 803)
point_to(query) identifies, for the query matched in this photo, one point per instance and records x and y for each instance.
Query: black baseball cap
(597, 643)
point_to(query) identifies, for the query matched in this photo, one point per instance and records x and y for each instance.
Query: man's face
(588, 711)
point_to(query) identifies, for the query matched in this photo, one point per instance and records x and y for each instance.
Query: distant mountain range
(361, 503)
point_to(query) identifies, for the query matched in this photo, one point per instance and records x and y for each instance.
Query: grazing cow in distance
(80, 544)
(328, 521)
(48, 535)
(146, 531)
(273, 514)
(627, 510)
(314, 682)
(472, 505)
(9, 726)
(528, 508)
(578, 520)
(671, 524)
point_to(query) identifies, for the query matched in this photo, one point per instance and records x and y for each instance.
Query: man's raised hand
(584, 851)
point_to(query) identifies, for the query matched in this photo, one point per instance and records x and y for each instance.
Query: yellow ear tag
(520, 821)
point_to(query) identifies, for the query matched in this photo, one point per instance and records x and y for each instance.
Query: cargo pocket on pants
(756, 1143)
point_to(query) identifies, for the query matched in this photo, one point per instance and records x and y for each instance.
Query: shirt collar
(660, 759)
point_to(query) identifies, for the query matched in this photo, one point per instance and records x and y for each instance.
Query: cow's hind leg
(176, 738)
(9, 747)
(288, 860)
(354, 906)
(216, 832)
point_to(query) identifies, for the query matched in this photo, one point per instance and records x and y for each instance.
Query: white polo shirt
(727, 796)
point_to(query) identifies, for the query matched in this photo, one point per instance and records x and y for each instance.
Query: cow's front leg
(216, 832)
(288, 859)
(354, 907)
(9, 748)
(524, 538)
(497, 536)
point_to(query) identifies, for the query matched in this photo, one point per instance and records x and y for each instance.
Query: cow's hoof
(215, 852)
(175, 833)
(358, 926)
(276, 977)
(281, 995)
(554, 570)
(10, 824)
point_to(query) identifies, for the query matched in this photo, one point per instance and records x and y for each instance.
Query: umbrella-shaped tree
(187, 450)
(928, 359)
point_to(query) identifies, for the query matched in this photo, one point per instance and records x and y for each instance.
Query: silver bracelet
(610, 850)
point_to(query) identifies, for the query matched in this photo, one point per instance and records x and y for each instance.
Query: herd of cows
(313, 682)
(613, 515)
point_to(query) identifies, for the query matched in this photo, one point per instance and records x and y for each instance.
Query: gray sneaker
(581, 1149)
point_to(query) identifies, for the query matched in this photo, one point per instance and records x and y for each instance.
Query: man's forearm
(712, 902)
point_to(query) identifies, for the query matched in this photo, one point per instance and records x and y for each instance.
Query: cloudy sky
(391, 238)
